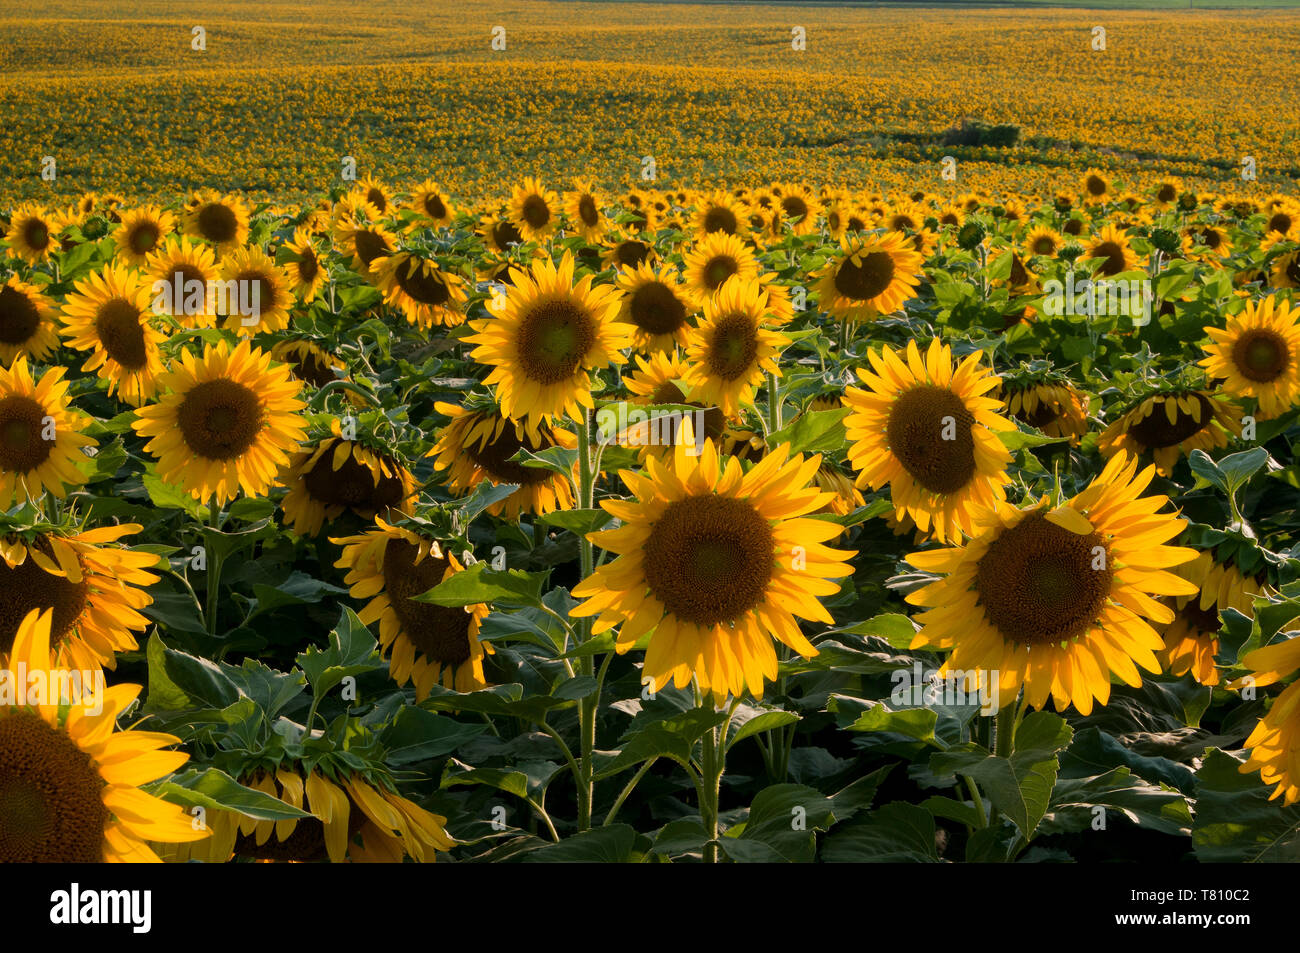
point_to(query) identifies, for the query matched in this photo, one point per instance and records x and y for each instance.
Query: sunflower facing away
(221, 220)
(1167, 425)
(1191, 640)
(1056, 599)
(1052, 406)
(655, 303)
(337, 475)
(925, 430)
(426, 295)
(534, 209)
(730, 350)
(428, 644)
(227, 422)
(477, 445)
(1258, 355)
(94, 587)
(142, 232)
(713, 563)
(308, 361)
(26, 322)
(40, 435)
(31, 234)
(109, 314)
(543, 341)
(69, 782)
(872, 275)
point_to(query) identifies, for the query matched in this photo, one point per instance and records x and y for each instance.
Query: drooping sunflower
(477, 445)
(925, 430)
(261, 296)
(40, 435)
(221, 220)
(335, 475)
(1191, 640)
(26, 322)
(582, 209)
(720, 212)
(93, 586)
(1094, 187)
(308, 361)
(353, 818)
(657, 306)
(428, 644)
(109, 314)
(187, 268)
(1051, 405)
(714, 259)
(431, 203)
(846, 496)
(31, 234)
(543, 341)
(1258, 355)
(71, 782)
(1169, 424)
(1056, 599)
(306, 269)
(730, 350)
(872, 275)
(534, 209)
(226, 422)
(715, 561)
(1110, 246)
(143, 231)
(426, 295)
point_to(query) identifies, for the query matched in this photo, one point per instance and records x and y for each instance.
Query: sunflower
(26, 323)
(429, 644)
(1286, 270)
(1168, 424)
(188, 268)
(1166, 192)
(31, 234)
(364, 242)
(622, 252)
(923, 429)
(1273, 748)
(335, 475)
(426, 295)
(582, 209)
(1192, 638)
(370, 191)
(656, 305)
(221, 220)
(1214, 240)
(1094, 187)
(801, 208)
(227, 422)
(1258, 355)
(872, 275)
(353, 818)
(720, 212)
(477, 445)
(904, 217)
(308, 361)
(1020, 279)
(40, 435)
(108, 314)
(730, 350)
(713, 562)
(71, 782)
(141, 233)
(1043, 241)
(261, 296)
(500, 234)
(1110, 246)
(546, 337)
(430, 202)
(305, 268)
(1053, 598)
(92, 585)
(1052, 406)
(714, 259)
(533, 209)
(846, 496)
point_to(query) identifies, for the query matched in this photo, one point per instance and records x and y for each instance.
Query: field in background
(715, 93)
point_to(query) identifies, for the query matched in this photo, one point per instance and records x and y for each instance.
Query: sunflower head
(426, 295)
(220, 220)
(872, 275)
(715, 259)
(657, 306)
(335, 475)
(1257, 355)
(40, 435)
(1171, 422)
(27, 326)
(110, 315)
(730, 350)
(32, 234)
(534, 209)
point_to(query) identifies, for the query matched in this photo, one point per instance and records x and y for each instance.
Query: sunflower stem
(588, 705)
(213, 565)
(773, 404)
(1005, 723)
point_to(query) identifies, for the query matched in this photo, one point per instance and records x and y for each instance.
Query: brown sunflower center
(1261, 355)
(733, 347)
(308, 265)
(1095, 185)
(143, 238)
(629, 254)
(494, 457)
(51, 796)
(1044, 245)
(370, 245)
(23, 446)
(656, 310)
(504, 234)
(309, 366)
(120, 330)
(305, 845)
(1293, 269)
(718, 269)
(435, 207)
(1210, 238)
(536, 212)
(588, 212)
(929, 431)
(709, 559)
(1280, 222)
(220, 419)
(1019, 275)
(1201, 620)
(553, 340)
(440, 633)
(354, 484)
(1041, 584)
(19, 317)
(719, 218)
(1113, 255)
(27, 587)
(1166, 193)
(376, 198)
(1155, 431)
(866, 279)
(218, 223)
(425, 286)
(794, 206)
(667, 393)
(36, 234)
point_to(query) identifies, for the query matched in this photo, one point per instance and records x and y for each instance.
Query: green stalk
(773, 404)
(214, 565)
(587, 663)
(1005, 742)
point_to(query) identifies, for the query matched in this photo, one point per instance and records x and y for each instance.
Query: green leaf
(614, 844)
(781, 826)
(351, 652)
(1235, 820)
(918, 723)
(895, 833)
(484, 495)
(178, 680)
(767, 721)
(641, 746)
(581, 522)
(1145, 804)
(417, 734)
(481, 583)
(212, 789)
(819, 431)
(168, 497)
